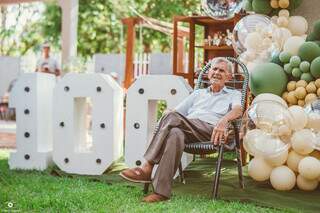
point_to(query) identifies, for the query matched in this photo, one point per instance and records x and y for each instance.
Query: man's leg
(169, 156)
(169, 162)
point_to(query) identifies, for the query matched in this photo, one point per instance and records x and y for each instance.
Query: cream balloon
(309, 168)
(300, 118)
(303, 141)
(283, 178)
(298, 25)
(282, 21)
(277, 159)
(250, 140)
(294, 160)
(280, 36)
(270, 116)
(305, 184)
(314, 121)
(253, 41)
(269, 97)
(259, 169)
(284, 13)
(293, 44)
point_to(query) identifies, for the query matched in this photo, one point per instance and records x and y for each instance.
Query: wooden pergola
(154, 24)
(69, 25)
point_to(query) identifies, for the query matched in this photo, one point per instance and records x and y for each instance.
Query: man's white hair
(219, 60)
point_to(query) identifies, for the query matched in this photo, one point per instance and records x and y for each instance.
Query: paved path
(7, 134)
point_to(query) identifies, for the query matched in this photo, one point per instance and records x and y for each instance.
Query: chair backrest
(239, 81)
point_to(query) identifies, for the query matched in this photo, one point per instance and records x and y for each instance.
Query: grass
(41, 192)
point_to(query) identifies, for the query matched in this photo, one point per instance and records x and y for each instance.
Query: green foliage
(100, 28)
(162, 105)
(19, 32)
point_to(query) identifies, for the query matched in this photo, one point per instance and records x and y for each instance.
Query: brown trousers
(167, 145)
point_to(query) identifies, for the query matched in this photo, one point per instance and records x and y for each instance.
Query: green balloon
(307, 77)
(317, 42)
(309, 51)
(247, 5)
(296, 72)
(312, 37)
(288, 69)
(305, 66)
(275, 59)
(316, 28)
(284, 57)
(261, 6)
(268, 78)
(315, 67)
(295, 61)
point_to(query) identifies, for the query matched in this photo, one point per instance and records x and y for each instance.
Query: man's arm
(220, 130)
(185, 105)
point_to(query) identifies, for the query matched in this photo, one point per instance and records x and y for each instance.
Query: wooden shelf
(216, 47)
(210, 27)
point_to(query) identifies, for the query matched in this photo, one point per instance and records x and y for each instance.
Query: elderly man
(202, 116)
(47, 64)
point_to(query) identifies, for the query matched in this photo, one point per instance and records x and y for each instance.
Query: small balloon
(221, 9)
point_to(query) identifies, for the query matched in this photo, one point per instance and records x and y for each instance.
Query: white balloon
(309, 168)
(305, 184)
(293, 44)
(282, 21)
(300, 118)
(314, 121)
(294, 160)
(282, 178)
(303, 141)
(259, 170)
(253, 41)
(284, 13)
(298, 25)
(269, 97)
(280, 36)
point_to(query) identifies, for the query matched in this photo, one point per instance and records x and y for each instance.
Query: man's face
(219, 73)
(46, 50)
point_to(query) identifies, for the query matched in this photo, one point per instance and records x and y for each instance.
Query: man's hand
(220, 131)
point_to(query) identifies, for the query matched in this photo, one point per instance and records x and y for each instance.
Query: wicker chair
(201, 148)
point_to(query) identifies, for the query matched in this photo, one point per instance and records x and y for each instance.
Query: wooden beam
(131, 35)
(175, 46)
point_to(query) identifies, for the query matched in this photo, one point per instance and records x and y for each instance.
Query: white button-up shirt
(209, 106)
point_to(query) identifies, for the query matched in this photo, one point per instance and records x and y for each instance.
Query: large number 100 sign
(52, 127)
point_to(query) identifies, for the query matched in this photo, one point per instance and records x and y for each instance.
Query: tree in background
(19, 30)
(100, 29)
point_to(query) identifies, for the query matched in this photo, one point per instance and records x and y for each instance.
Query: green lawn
(42, 192)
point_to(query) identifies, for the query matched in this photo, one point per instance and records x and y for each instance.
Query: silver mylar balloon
(221, 9)
(246, 25)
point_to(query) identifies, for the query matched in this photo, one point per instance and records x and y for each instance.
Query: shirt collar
(224, 90)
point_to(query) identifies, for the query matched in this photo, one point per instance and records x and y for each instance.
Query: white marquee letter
(71, 152)
(32, 98)
(142, 100)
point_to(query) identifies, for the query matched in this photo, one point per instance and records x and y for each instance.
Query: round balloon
(293, 44)
(298, 25)
(268, 78)
(246, 26)
(222, 9)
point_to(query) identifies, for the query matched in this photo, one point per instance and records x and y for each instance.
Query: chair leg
(239, 164)
(217, 174)
(181, 175)
(146, 188)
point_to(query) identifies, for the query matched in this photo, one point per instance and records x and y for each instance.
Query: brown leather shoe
(153, 198)
(136, 175)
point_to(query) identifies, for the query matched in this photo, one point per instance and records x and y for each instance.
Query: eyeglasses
(218, 69)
